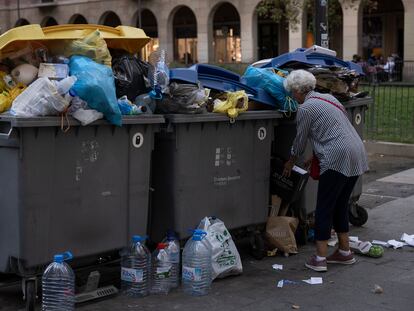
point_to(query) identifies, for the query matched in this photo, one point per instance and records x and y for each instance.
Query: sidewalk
(390, 204)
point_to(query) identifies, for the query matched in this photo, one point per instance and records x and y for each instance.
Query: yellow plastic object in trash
(127, 38)
(7, 97)
(235, 103)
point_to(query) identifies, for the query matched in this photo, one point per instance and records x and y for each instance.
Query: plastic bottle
(196, 268)
(135, 268)
(63, 86)
(173, 250)
(147, 101)
(161, 270)
(58, 285)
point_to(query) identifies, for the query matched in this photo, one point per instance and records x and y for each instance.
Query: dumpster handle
(232, 120)
(6, 135)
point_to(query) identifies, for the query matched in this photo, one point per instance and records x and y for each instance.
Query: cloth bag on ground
(41, 98)
(95, 85)
(280, 233)
(225, 259)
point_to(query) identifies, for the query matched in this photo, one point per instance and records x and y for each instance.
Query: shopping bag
(280, 233)
(225, 259)
(315, 168)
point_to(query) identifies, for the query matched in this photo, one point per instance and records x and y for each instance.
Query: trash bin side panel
(217, 169)
(9, 202)
(76, 191)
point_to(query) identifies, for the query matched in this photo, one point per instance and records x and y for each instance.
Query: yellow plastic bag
(7, 97)
(92, 46)
(235, 103)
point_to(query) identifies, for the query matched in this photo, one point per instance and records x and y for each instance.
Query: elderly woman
(322, 120)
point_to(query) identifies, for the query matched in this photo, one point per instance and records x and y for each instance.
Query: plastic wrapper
(130, 74)
(272, 83)
(39, 99)
(183, 98)
(233, 104)
(95, 85)
(87, 116)
(92, 46)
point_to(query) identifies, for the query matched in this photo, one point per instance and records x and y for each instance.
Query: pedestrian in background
(323, 121)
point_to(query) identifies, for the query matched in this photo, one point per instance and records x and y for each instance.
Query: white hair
(300, 81)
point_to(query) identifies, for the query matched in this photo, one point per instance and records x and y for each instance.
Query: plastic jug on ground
(173, 250)
(161, 270)
(135, 268)
(58, 285)
(196, 268)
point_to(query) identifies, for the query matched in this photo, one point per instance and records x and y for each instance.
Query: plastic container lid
(127, 38)
(161, 245)
(58, 258)
(138, 238)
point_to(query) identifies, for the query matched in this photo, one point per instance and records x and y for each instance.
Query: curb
(390, 149)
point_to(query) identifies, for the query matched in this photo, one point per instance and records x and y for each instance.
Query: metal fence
(391, 117)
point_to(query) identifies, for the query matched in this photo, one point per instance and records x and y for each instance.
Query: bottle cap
(161, 245)
(58, 258)
(138, 238)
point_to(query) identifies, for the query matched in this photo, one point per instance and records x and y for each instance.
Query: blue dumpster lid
(301, 57)
(185, 75)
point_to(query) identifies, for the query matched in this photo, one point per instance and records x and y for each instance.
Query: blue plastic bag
(96, 86)
(272, 83)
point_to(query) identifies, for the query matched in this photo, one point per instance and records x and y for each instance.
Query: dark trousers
(332, 204)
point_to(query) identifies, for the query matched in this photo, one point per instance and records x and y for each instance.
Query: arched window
(48, 21)
(185, 36)
(78, 19)
(226, 34)
(150, 27)
(21, 22)
(110, 18)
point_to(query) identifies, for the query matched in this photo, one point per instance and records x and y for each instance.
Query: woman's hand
(288, 167)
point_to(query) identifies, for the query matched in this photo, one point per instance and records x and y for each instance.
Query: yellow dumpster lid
(128, 38)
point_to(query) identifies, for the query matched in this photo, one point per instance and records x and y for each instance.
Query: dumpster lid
(56, 121)
(214, 117)
(357, 102)
(128, 38)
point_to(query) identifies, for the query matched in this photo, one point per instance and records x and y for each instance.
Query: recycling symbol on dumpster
(138, 140)
(261, 133)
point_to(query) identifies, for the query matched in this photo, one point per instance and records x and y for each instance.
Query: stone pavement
(390, 204)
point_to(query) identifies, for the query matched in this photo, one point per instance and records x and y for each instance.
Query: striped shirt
(333, 138)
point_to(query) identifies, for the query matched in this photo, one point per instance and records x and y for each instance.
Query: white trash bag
(225, 259)
(41, 98)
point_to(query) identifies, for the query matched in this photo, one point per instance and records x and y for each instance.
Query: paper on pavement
(314, 281)
(395, 244)
(409, 239)
(378, 242)
(277, 267)
(280, 284)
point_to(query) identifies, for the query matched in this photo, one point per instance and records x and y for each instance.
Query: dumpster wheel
(358, 215)
(30, 295)
(257, 244)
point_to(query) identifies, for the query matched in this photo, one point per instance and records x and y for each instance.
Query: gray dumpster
(284, 135)
(85, 190)
(203, 165)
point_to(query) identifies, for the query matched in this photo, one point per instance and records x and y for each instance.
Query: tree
(276, 10)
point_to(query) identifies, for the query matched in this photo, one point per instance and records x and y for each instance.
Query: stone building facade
(225, 31)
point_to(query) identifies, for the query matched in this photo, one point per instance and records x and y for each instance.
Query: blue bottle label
(192, 274)
(132, 275)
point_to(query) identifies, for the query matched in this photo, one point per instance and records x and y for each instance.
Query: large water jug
(161, 270)
(135, 268)
(196, 268)
(173, 250)
(58, 285)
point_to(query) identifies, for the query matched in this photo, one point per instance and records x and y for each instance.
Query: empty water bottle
(161, 270)
(196, 273)
(135, 268)
(58, 285)
(173, 250)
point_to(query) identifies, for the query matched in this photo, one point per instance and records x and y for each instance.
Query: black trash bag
(183, 98)
(130, 74)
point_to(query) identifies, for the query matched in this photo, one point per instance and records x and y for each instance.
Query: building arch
(78, 19)
(184, 33)
(110, 18)
(48, 21)
(226, 33)
(150, 26)
(21, 22)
